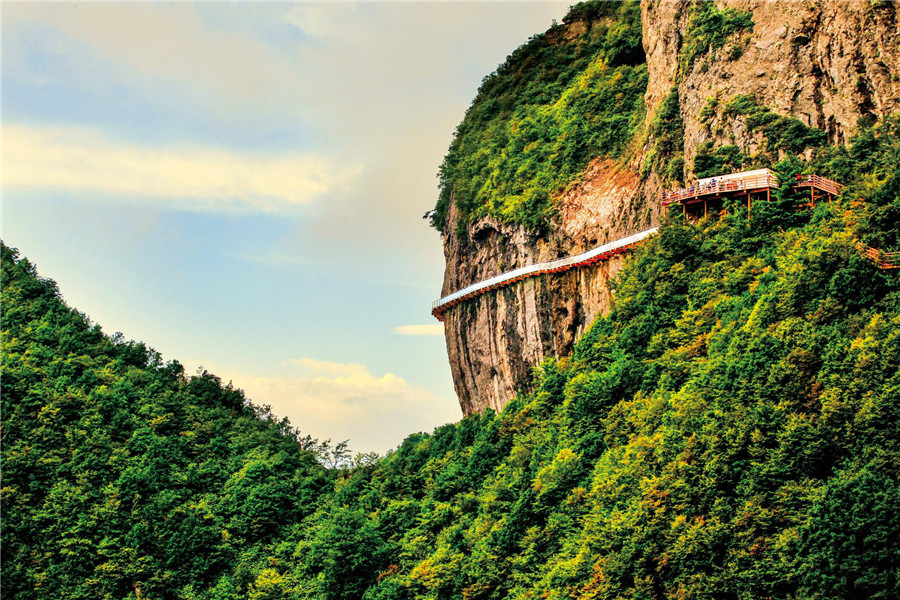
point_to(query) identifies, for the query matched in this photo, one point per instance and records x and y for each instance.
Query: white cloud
(326, 367)
(320, 19)
(195, 177)
(374, 413)
(430, 329)
(169, 42)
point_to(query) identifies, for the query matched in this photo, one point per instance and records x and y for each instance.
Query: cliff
(495, 339)
(827, 64)
(711, 68)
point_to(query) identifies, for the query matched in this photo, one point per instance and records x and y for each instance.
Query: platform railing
(553, 266)
(757, 182)
(882, 260)
(822, 183)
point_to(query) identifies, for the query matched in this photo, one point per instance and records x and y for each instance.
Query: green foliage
(122, 474)
(782, 135)
(782, 132)
(725, 159)
(709, 109)
(874, 152)
(667, 130)
(730, 430)
(708, 29)
(556, 103)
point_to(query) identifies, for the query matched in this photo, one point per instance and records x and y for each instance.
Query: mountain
(122, 476)
(727, 426)
(570, 143)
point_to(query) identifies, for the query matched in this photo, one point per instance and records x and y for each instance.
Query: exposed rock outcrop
(495, 339)
(826, 63)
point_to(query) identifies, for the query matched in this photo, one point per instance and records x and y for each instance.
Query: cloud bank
(346, 401)
(416, 330)
(190, 176)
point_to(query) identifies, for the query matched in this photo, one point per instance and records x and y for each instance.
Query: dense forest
(731, 430)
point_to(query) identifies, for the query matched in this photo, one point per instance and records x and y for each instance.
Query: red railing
(590, 257)
(822, 183)
(757, 182)
(882, 260)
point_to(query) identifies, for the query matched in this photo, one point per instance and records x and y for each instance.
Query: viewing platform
(746, 182)
(554, 266)
(709, 193)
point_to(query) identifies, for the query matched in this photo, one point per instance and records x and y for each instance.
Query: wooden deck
(746, 185)
(711, 191)
(742, 186)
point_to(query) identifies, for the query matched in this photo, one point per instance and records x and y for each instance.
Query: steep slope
(730, 430)
(122, 477)
(729, 85)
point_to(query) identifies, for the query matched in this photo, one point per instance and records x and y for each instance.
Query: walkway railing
(817, 181)
(882, 260)
(756, 182)
(554, 266)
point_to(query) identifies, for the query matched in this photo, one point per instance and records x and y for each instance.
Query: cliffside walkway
(747, 183)
(590, 257)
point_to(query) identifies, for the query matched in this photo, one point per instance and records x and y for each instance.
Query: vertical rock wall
(825, 63)
(494, 340)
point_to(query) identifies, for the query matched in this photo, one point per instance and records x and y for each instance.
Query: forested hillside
(122, 477)
(730, 430)
(565, 97)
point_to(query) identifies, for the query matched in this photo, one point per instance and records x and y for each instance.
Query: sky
(241, 187)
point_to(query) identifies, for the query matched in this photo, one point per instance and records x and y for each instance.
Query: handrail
(554, 266)
(817, 181)
(756, 182)
(882, 260)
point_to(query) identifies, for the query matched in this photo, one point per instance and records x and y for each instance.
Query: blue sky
(241, 187)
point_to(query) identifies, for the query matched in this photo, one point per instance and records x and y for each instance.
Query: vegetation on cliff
(731, 429)
(565, 97)
(708, 29)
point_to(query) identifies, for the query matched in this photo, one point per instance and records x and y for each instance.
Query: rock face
(495, 339)
(826, 63)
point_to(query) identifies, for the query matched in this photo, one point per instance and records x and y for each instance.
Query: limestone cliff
(825, 63)
(495, 339)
